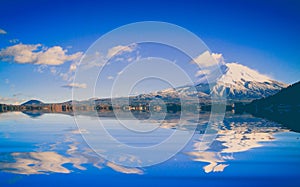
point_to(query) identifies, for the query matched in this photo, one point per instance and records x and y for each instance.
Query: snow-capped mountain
(235, 81)
(241, 82)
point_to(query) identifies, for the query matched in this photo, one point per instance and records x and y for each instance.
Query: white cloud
(53, 70)
(203, 72)
(93, 60)
(99, 59)
(72, 67)
(75, 85)
(127, 59)
(13, 41)
(117, 50)
(11, 100)
(120, 72)
(110, 77)
(206, 59)
(66, 76)
(208, 62)
(41, 68)
(56, 56)
(38, 54)
(2, 31)
(219, 58)
(20, 53)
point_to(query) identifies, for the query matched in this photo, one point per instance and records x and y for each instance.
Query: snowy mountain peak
(237, 82)
(241, 82)
(239, 73)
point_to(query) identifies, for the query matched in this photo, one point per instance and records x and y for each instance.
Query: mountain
(288, 96)
(32, 103)
(236, 82)
(283, 107)
(241, 82)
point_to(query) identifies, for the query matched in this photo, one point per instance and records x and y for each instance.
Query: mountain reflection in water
(64, 150)
(237, 134)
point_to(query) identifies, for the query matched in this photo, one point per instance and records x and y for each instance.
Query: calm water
(48, 150)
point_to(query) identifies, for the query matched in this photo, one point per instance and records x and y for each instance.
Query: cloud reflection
(39, 163)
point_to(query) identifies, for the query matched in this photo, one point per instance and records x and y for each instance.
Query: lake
(49, 150)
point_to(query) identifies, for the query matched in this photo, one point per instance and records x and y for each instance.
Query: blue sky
(263, 35)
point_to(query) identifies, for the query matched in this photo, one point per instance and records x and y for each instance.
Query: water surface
(48, 150)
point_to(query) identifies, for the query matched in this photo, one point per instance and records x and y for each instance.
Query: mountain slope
(236, 82)
(283, 107)
(241, 82)
(287, 96)
(32, 102)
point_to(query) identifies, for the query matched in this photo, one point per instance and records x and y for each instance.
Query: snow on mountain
(239, 73)
(237, 81)
(187, 91)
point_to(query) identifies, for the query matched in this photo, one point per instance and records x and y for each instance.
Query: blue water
(49, 151)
